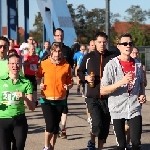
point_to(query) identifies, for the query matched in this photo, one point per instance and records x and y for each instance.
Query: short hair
(11, 40)
(82, 45)
(47, 42)
(136, 48)
(124, 35)
(16, 56)
(90, 41)
(75, 40)
(12, 51)
(101, 34)
(55, 45)
(59, 29)
(3, 38)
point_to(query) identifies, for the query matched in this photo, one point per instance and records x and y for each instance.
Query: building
(5, 31)
(123, 27)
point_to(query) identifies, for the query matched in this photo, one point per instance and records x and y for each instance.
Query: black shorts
(52, 115)
(100, 118)
(65, 110)
(32, 79)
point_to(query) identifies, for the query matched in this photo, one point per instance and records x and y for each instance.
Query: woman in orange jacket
(55, 77)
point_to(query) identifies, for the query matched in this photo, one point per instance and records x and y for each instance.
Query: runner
(30, 67)
(94, 63)
(78, 57)
(57, 80)
(123, 81)
(15, 91)
(68, 55)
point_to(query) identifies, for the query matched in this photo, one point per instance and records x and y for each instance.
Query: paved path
(78, 128)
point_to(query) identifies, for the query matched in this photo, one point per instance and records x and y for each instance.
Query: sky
(116, 6)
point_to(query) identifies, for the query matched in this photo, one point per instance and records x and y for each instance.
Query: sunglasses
(126, 43)
(4, 46)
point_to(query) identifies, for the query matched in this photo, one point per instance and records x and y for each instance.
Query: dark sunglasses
(126, 43)
(4, 46)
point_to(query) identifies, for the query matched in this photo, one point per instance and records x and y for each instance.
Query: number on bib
(33, 67)
(9, 98)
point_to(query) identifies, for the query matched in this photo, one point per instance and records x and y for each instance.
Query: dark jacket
(68, 55)
(92, 61)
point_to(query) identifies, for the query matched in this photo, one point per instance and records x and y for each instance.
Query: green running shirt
(10, 105)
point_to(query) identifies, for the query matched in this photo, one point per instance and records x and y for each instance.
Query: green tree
(72, 12)
(138, 35)
(114, 18)
(80, 24)
(96, 18)
(136, 14)
(87, 23)
(139, 31)
(37, 32)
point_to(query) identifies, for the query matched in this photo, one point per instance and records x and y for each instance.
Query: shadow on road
(145, 147)
(76, 127)
(35, 116)
(34, 128)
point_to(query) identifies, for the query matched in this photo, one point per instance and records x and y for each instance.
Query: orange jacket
(55, 76)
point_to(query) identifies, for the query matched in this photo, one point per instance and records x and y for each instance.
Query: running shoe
(62, 134)
(128, 146)
(46, 148)
(91, 146)
(36, 103)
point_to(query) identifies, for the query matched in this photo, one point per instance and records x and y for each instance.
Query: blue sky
(116, 6)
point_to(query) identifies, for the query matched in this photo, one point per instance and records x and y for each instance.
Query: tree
(87, 23)
(96, 18)
(37, 33)
(72, 12)
(114, 18)
(136, 14)
(80, 24)
(138, 35)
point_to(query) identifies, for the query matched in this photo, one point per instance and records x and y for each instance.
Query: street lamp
(0, 18)
(108, 22)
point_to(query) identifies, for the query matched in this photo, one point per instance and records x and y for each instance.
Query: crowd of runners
(113, 88)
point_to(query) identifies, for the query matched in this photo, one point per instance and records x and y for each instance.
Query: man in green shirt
(15, 94)
(4, 48)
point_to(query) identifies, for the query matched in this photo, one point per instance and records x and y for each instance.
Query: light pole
(108, 22)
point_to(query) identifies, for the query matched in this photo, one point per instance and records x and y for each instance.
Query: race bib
(33, 67)
(9, 98)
